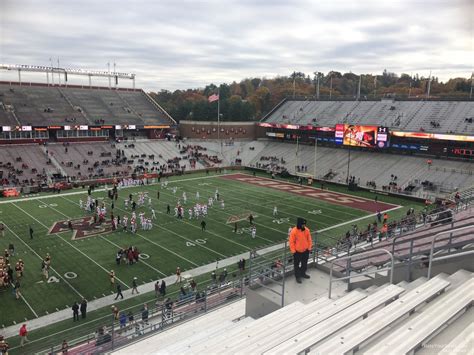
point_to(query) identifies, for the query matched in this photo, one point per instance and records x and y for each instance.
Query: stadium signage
(463, 152)
(77, 128)
(439, 136)
(293, 126)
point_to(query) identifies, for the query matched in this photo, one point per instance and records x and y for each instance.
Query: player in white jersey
(175, 189)
(190, 212)
(176, 211)
(185, 198)
(153, 214)
(125, 223)
(126, 203)
(204, 210)
(222, 204)
(149, 201)
(210, 201)
(275, 211)
(197, 195)
(254, 232)
(149, 224)
(81, 204)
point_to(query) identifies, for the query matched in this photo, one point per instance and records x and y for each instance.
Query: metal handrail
(430, 264)
(421, 236)
(349, 257)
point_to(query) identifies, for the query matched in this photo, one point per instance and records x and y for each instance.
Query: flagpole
(218, 115)
(296, 153)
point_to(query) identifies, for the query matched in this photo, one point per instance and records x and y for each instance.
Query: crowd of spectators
(198, 153)
(15, 174)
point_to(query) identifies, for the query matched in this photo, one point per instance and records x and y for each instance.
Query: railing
(264, 269)
(114, 335)
(451, 231)
(348, 269)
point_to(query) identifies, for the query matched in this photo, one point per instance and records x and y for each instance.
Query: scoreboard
(362, 136)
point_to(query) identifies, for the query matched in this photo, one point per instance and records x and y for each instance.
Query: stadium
(78, 162)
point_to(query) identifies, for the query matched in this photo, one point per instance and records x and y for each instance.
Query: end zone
(335, 198)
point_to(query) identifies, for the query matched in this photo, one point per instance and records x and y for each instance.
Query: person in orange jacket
(300, 245)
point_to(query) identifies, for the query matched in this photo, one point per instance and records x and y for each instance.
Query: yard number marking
(196, 241)
(53, 279)
(281, 220)
(49, 205)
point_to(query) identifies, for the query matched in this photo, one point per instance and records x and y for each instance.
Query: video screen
(362, 136)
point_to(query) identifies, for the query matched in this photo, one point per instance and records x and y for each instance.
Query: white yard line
(307, 201)
(151, 241)
(66, 241)
(29, 306)
(315, 188)
(110, 242)
(39, 256)
(356, 220)
(212, 219)
(190, 240)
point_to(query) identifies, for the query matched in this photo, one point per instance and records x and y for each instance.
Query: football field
(82, 258)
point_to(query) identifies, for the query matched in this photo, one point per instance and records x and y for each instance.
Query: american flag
(213, 97)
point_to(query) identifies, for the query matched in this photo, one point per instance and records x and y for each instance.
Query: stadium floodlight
(71, 71)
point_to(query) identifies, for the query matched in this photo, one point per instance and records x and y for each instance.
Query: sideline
(27, 198)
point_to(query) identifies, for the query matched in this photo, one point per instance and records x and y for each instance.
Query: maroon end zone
(82, 227)
(335, 198)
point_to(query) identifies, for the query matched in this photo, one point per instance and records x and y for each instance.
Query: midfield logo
(82, 227)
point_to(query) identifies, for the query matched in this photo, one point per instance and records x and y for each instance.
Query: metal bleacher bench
(416, 332)
(303, 318)
(462, 344)
(269, 337)
(320, 331)
(204, 346)
(352, 338)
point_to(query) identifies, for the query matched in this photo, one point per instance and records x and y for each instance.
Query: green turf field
(81, 266)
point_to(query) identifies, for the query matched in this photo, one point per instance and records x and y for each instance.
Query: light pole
(349, 159)
(317, 74)
(315, 151)
(330, 88)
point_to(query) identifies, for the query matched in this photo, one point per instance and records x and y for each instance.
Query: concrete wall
(208, 130)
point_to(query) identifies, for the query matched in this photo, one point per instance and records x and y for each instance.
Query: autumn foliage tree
(252, 98)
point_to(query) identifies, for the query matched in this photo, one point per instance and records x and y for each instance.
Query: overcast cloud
(181, 44)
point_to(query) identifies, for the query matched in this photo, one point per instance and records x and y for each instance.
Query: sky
(189, 44)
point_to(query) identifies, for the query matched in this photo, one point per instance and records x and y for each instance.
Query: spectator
(83, 308)
(64, 347)
(75, 311)
(145, 314)
(123, 320)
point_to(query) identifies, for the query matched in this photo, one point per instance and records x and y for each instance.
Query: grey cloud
(180, 44)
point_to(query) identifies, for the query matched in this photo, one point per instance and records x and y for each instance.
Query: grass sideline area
(169, 244)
